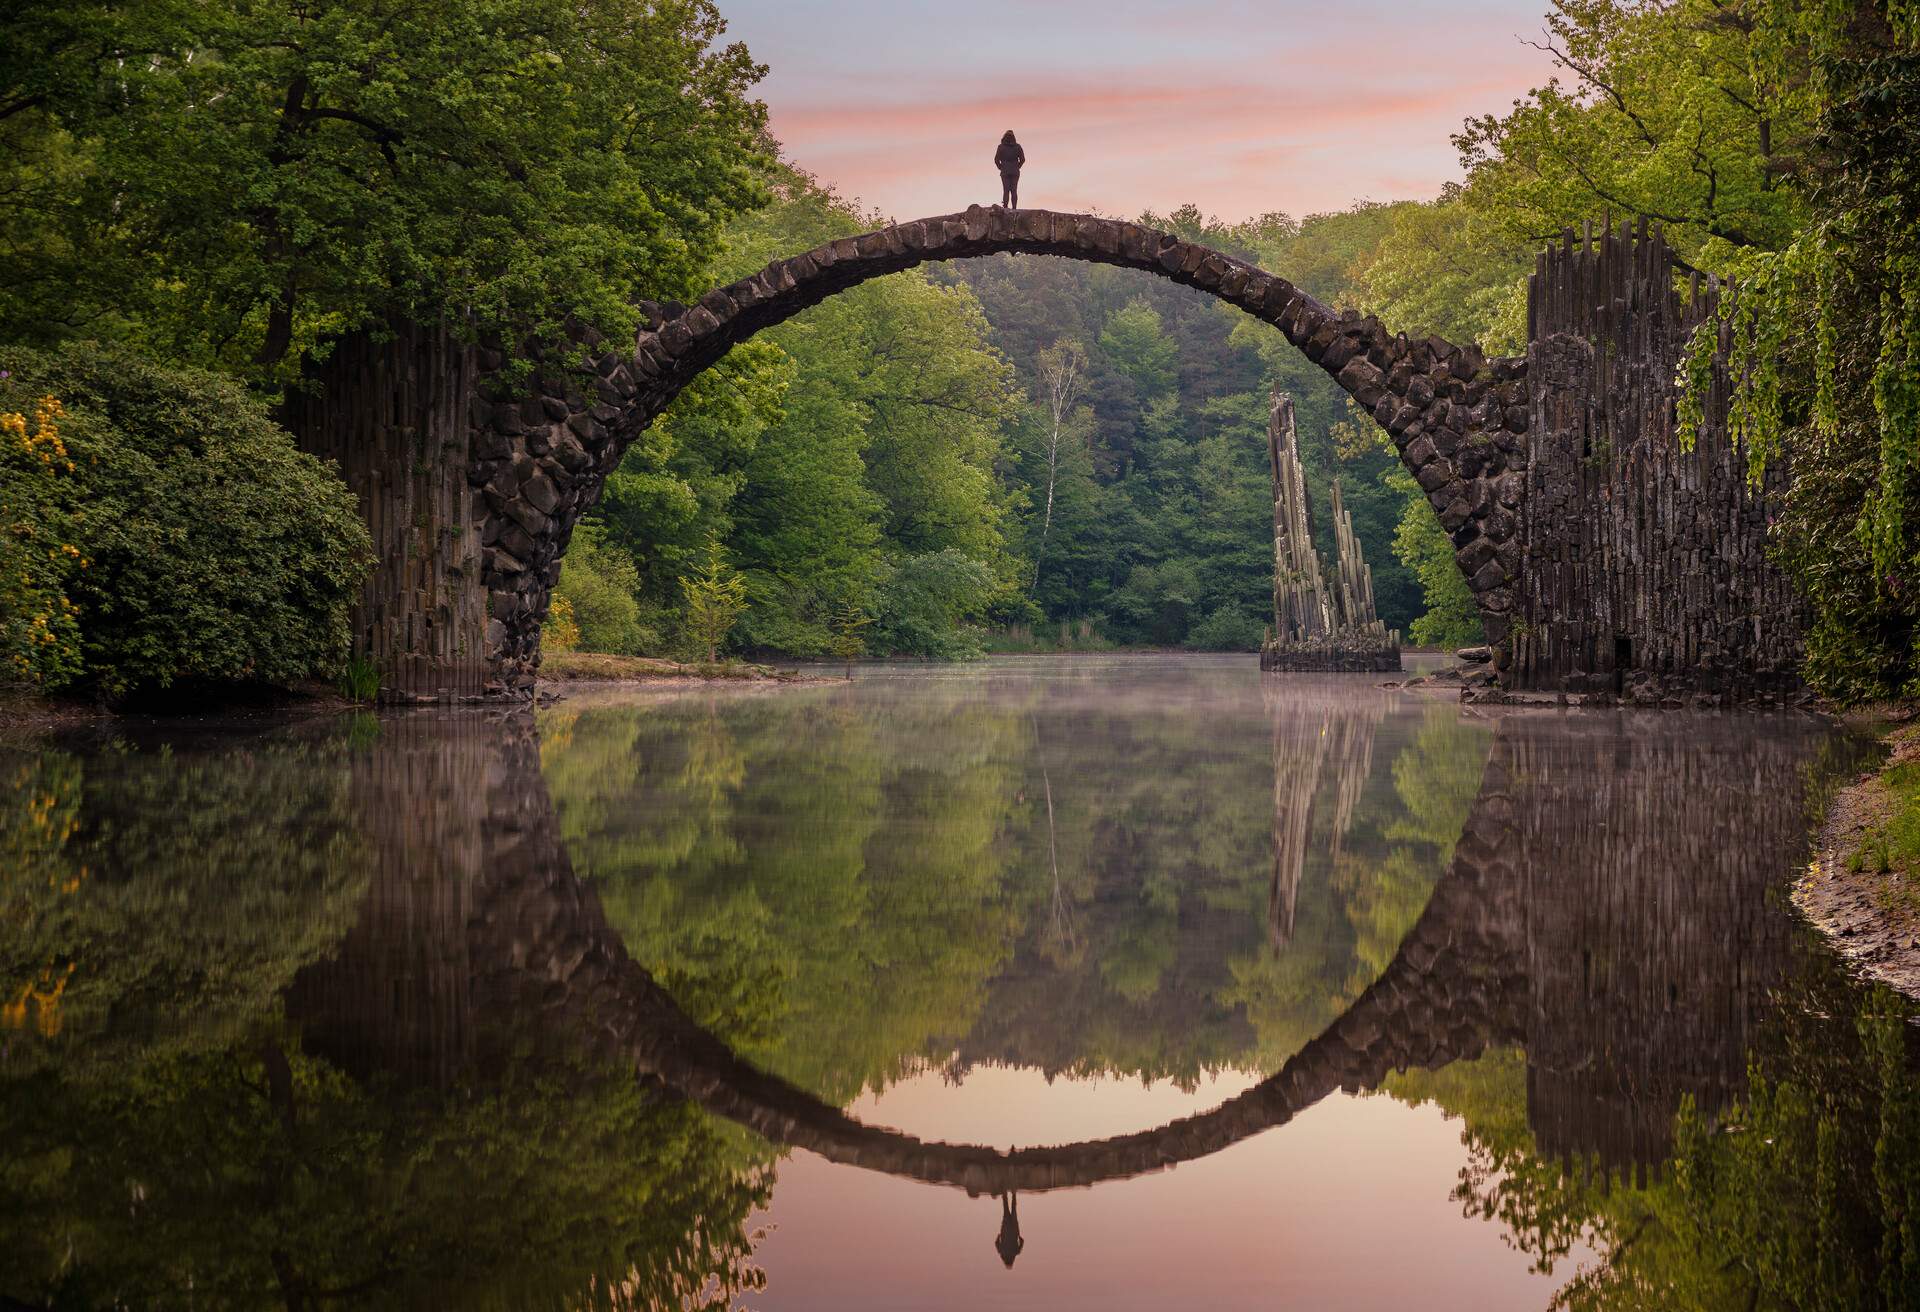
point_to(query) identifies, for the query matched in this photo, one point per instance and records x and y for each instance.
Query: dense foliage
(231, 183)
(166, 531)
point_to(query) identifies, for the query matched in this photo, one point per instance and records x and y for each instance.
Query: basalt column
(394, 414)
(1322, 620)
(1644, 572)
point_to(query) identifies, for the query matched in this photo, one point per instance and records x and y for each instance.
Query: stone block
(541, 494)
(1363, 380)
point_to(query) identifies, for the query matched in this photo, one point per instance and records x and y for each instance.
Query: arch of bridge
(1457, 418)
(540, 945)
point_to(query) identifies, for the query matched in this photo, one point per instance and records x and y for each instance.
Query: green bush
(205, 546)
(39, 625)
(601, 584)
(1452, 618)
(1227, 629)
(924, 599)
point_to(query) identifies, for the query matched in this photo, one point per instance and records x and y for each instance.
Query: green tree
(922, 601)
(1690, 112)
(596, 588)
(1452, 616)
(715, 597)
(234, 183)
(1826, 346)
(849, 634)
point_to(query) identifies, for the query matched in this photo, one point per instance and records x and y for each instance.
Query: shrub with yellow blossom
(39, 621)
(156, 527)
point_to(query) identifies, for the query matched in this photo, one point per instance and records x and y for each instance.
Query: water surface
(1172, 983)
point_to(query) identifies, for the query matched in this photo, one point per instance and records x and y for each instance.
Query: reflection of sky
(1238, 106)
(1347, 1207)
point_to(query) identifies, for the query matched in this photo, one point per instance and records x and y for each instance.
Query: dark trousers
(1010, 190)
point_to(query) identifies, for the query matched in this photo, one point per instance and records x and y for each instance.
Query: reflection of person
(1008, 159)
(1008, 1242)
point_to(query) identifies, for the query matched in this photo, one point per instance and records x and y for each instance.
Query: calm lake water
(1118, 982)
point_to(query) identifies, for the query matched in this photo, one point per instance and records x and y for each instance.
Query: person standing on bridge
(1008, 160)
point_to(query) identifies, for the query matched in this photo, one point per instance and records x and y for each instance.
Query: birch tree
(1062, 369)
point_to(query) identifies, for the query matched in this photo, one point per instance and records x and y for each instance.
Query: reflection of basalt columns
(450, 807)
(1651, 856)
(1303, 747)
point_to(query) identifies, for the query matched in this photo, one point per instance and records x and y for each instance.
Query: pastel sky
(1238, 106)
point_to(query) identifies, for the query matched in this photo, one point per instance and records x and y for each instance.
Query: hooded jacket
(1009, 157)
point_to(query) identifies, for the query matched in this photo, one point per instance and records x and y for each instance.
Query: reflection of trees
(890, 875)
(392, 1139)
(1369, 893)
(899, 873)
(1658, 971)
(123, 921)
(1799, 1195)
(836, 904)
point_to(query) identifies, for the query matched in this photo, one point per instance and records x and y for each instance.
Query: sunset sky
(1238, 106)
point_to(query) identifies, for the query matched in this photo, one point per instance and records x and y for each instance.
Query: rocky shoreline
(1865, 903)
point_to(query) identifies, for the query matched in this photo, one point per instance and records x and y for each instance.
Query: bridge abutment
(1643, 567)
(393, 410)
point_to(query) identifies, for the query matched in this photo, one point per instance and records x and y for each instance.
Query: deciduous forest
(1008, 453)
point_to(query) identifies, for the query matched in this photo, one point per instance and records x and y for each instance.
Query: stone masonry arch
(1457, 418)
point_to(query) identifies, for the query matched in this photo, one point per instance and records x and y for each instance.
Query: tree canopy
(233, 183)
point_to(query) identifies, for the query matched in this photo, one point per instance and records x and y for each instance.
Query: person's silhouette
(1008, 1242)
(1008, 159)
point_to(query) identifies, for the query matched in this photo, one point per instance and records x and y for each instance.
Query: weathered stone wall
(394, 413)
(1644, 571)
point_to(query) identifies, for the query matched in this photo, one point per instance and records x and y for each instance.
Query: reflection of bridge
(1613, 920)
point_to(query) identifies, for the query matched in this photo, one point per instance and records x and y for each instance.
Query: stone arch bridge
(1636, 559)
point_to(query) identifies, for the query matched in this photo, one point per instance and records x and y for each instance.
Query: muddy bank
(1861, 888)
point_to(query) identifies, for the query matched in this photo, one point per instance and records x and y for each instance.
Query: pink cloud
(1239, 107)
